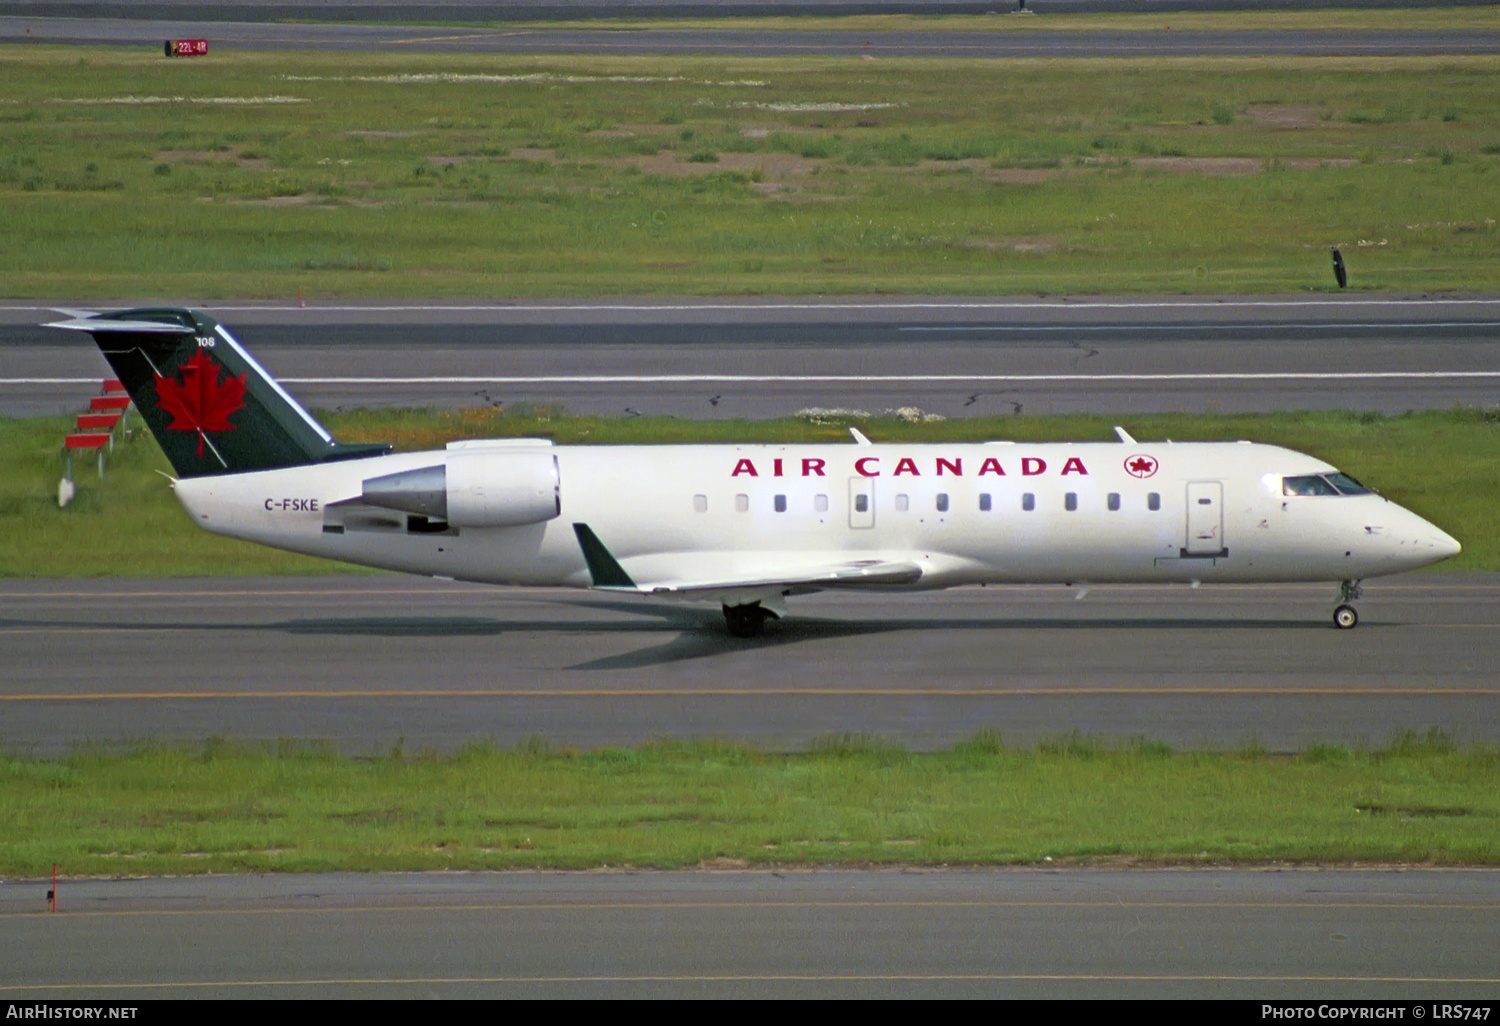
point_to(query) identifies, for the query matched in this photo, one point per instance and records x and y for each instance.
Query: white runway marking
(834, 305)
(667, 379)
(1194, 327)
(813, 379)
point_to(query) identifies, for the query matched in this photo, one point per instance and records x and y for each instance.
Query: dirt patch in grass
(1004, 175)
(533, 153)
(1025, 175)
(233, 155)
(1231, 166)
(1037, 244)
(372, 133)
(778, 169)
(775, 166)
(1214, 166)
(1304, 163)
(1267, 115)
(192, 156)
(304, 199)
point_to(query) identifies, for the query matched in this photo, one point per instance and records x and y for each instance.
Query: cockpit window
(1311, 484)
(1347, 485)
(1322, 484)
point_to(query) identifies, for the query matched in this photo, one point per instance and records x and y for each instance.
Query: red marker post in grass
(185, 47)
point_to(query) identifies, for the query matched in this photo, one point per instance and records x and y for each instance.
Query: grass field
(255, 174)
(226, 808)
(1444, 466)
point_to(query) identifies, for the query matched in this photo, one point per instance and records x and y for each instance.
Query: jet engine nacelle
(475, 489)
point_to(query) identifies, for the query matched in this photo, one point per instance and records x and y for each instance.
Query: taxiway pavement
(1267, 935)
(371, 661)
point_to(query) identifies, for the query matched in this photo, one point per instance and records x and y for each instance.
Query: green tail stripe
(603, 568)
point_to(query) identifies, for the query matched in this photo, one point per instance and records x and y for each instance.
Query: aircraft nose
(1433, 544)
(1444, 545)
(1410, 541)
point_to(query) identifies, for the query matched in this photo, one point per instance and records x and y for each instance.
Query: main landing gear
(747, 621)
(1345, 616)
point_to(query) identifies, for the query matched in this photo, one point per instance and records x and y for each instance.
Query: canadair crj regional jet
(747, 526)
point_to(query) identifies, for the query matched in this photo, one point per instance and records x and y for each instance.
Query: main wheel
(745, 621)
(1344, 617)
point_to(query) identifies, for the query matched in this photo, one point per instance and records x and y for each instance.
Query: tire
(745, 621)
(1344, 617)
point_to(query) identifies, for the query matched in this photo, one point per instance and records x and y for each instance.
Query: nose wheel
(1345, 617)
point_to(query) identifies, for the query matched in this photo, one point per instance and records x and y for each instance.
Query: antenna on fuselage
(1124, 435)
(859, 438)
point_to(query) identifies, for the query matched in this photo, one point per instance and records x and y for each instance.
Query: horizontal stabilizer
(98, 324)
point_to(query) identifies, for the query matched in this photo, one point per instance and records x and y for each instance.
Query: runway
(1327, 935)
(208, 22)
(476, 11)
(367, 662)
(762, 359)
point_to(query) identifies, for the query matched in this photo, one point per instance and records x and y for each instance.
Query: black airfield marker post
(1339, 274)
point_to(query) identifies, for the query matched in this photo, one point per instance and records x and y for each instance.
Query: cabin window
(1153, 501)
(700, 504)
(1028, 502)
(984, 502)
(861, 503)
(1114, 502)
(742, 503)
(903, 503)
(942, 502)
(1070, 501)
(820, 503)
(781, 503)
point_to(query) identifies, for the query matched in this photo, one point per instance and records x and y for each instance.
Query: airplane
(745, 526)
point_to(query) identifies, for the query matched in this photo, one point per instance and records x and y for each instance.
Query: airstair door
(861, 502)
(1205, 519)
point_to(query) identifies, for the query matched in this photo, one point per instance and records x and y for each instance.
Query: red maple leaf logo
(197, 399)
(1140, 466)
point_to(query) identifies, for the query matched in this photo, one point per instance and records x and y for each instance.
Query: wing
(605, 572)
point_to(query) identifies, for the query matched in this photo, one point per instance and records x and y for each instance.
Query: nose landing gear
(1344, 615)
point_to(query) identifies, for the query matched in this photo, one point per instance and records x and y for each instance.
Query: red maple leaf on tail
(197, 399)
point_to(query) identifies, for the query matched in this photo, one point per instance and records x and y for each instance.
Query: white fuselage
(679, 514)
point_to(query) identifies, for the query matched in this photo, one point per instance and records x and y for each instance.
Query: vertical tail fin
(213, 409)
